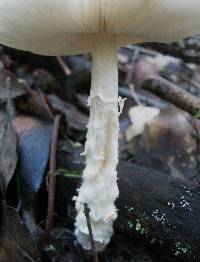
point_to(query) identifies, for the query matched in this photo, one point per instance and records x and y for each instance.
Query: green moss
(138, 226)
(181, 248)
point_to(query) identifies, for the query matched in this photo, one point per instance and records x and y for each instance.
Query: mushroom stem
(99, 188)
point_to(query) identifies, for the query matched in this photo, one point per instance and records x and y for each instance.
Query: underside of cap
(62, 27)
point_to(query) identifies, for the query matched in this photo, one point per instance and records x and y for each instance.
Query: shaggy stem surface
(99, 188)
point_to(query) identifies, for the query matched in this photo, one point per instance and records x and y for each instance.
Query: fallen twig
(67, 71)
(173, 94)
(52, 181)
(87, 215)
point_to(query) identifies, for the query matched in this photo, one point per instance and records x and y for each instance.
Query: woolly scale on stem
(99, 188)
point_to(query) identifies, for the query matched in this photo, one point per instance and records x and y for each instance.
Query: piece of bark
(160, 210)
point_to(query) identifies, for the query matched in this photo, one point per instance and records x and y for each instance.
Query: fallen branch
(173, 94)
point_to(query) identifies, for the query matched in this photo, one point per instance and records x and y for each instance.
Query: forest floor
(43, 116)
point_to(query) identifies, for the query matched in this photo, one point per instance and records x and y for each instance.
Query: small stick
(67, 71)
(52, 181)
(173, 94)
(87, 215)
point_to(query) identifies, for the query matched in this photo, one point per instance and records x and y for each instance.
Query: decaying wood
(160, 210)
(173, 94)
(156, 208)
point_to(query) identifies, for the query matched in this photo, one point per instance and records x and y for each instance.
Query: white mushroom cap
(60, 27)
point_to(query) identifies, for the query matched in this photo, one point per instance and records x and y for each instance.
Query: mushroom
(66, 27)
